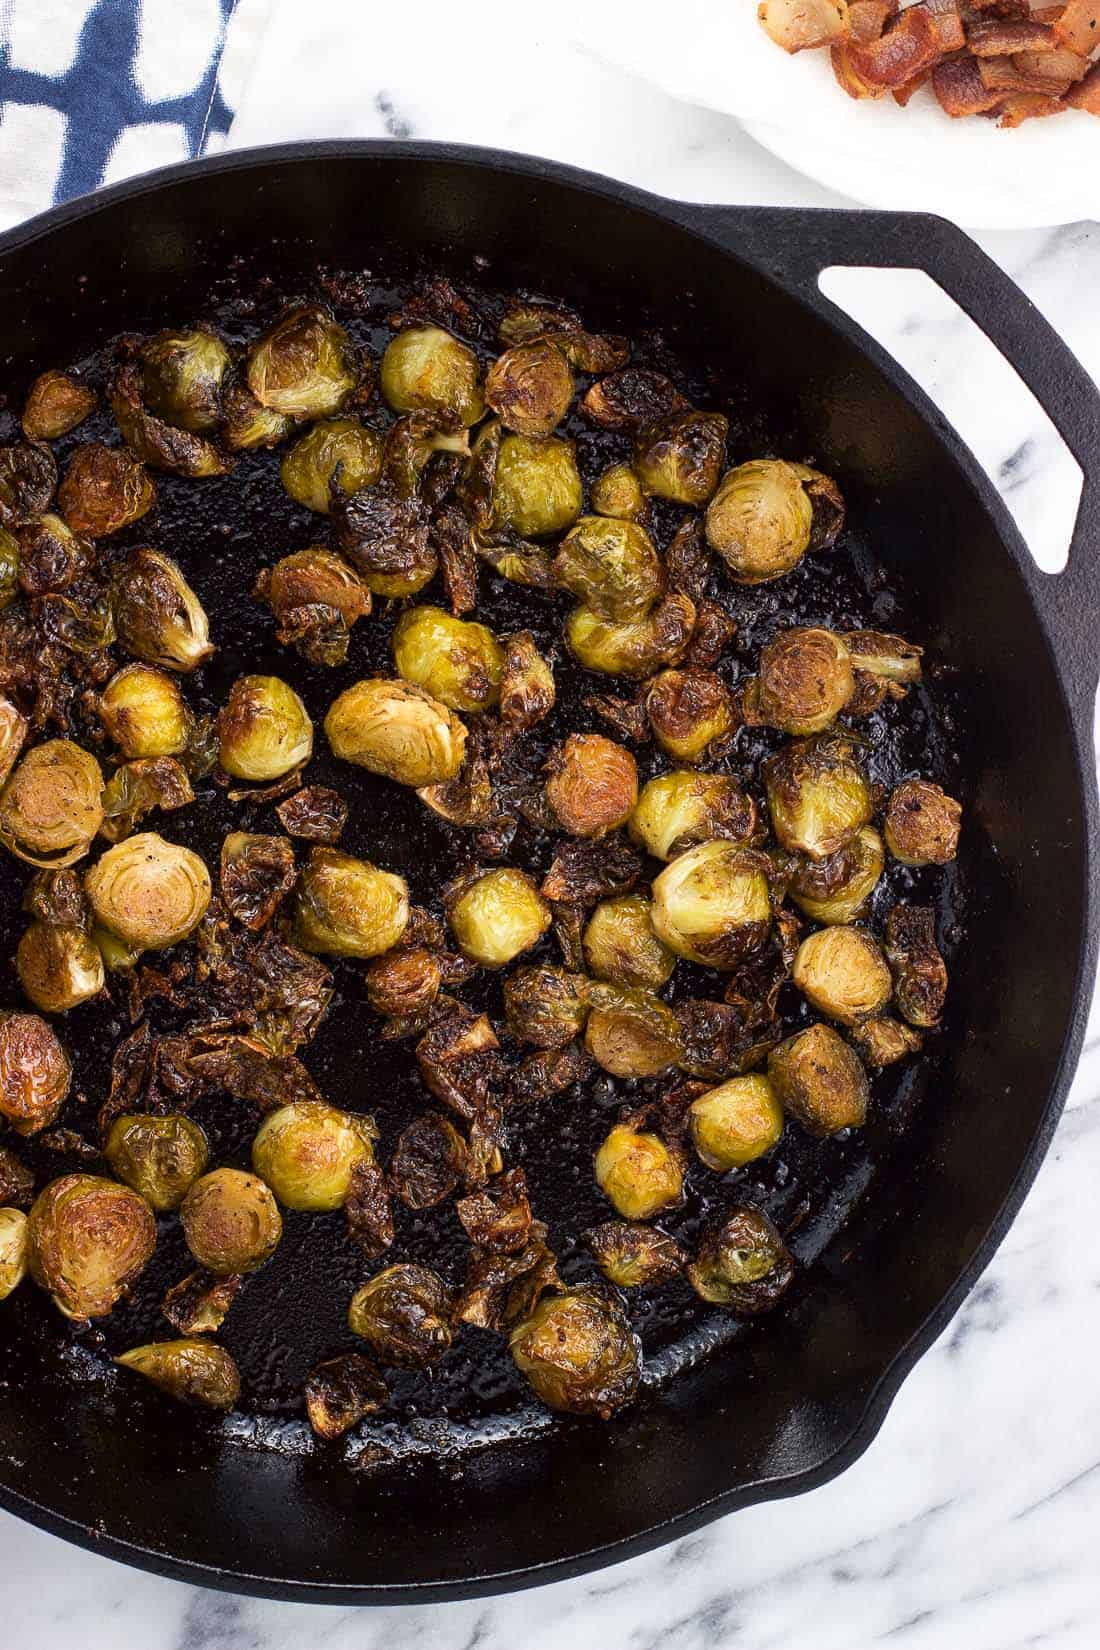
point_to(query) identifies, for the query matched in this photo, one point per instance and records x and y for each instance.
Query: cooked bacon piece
(845, 72)
(798, 24)
(1079, 27)
(1021, 106)
(961, 89)
(949, 24)
(901, 95)
(1000, 39)
(868, 18)
(1057, 65)
(1086, 94)
(1000, 74)
(913, 44)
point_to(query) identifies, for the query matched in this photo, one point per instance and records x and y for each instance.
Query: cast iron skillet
(789, 1407)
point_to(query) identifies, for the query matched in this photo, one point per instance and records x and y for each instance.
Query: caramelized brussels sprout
(137, 788)
(58, 966)
(428, 1161)
(495, 915)
(9, 568)
(617, 492)
(425, 368)
(51, 556)
(103, 490)
(537, 489)
(161, 445)
(587, 351)
(593, 786)
(631, 1033)
(633, 397)
(13, 736)
(16, 1180)
(676, 810)
(403, 1313)
(819, 1081)
(761, 519)
(680, 457)
(638, 1172)
(736, 1123)
(634, 1256)
(712, 904)
(341, 1392)
(458, 662)
(192, 1371)
(247, 424)
(530, 387)
(308, 1153)
(804, 681)
(257, 872)
(159, 618)
(87, 1240)
(264, 730)
(842, 972)
(305, 366)
(579, 1353)
(922, 824)
(396, 729)
(920, 973)
(55, 405)
(882, 1040)
(52, 806)
(818, 795)
(620, 945)
(837, 889)
(545, 1006)
(13, 1250)
(197, 1305)
(635, 649)
(144, 712)
(610, 566)
(743, 1264)
(159, 1156)
(403, 985)
(314, 578)
(182, 375)
(689, 710)
(527, 689)
(148, 892)
(231, 1221)
(337, 452)
(28, 476)
(885, 666)
(346, 907)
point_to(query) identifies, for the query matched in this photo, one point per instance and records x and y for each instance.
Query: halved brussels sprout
(680, 457)
(495, 915)
(55, 405)
(593, 785)
(882, 1040)
(58, 966)
(620, 944)
(103, 490)
(308, 1152)
(337, 452)
(458, 662)
(678, 809)
(9, 568)
(247, 424)
(631, 1033)
(610, 566)
(579, 1353)
(617, 492)
(231, 1221)
(346, 907)
(635, 649)
(148, 892)
(713, 904)
(28, 476)
(819, 1081)
(310, 579)
(137, 788)
(761, 519)
(919, 971)
(52, 806)
(885, 666)
(34, 1072)
(843, 973)
(922, 824)
(638, 1172)
(527, 690)
(530, 387)
(159, 1156)
(804, 681)
(144, 712)
(587, 351)
(161, 445)
(198, 1303)
(341, 1392)
(688, 711)
(398, 730)
(545, 1006)
(736, 1123)
(403, 1313)
(634, 1256)
(87, 1240)
(743, 1264)
(51, 556)
(305, 366)
(818, 795)
(632, 397)
(425, 368)
(403, 985)
(837, 889)
(264, 730)
(159, 617)
(182, 375)
(13, 1250)
(192, 1371)
(537, 489)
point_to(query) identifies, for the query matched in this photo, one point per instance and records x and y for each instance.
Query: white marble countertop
(971, 1522)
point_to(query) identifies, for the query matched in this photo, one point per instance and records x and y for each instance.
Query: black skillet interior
(787, 1403)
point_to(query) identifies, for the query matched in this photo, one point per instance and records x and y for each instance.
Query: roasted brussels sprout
(635, 649)
(712, 904)
(161, 445)
(819, 1081)
(341, 1392)
(337, 452)
(527, 689)
(842, 972)
(593, 785)
(587, 351)
(403, 1313)
(28, 476)
(610, 566)
(144, 712)
(308, 1152)
(736, 1122)
(545, 1006)
(396, 729)
(631, 1033)
(761, 519)
(457, 662)
(231, 1221)
(680, 457)
(922, 824)
(58, 966)
(818, 795)
(634, 1256)
(882, 1040)
(638, 1172)
(678, 809)
(148, 892)
(632, 397)
(305, 366)
(885, 667)
(13, 736)
(103, 490)
(617, 493)
(314, 578)
(55, 405)
(743, 1264)
(159, 618)
(87, 1240)
(689, 710)
(404, 984)
(16, 1180)
(804, 681)
(920, 973)
(264, 730)
(530, 387)
(192, 1371)
(579, 1353)
(495, 915)
(425, 368)
(159, 1156)
(247, 424)
(620, 945)
(51, 556)
(537, 490)
(346, 907)
(13, 1250)
(257, 872)
(9, 567)
(137, 788)
(52, 806)
(837, 889)
(182, 375)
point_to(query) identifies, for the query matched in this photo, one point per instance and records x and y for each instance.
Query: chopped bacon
(1079, 27)
(913, 44)
(1086, 94)
(901, 96)
(1000, 74)
(846, 75)
(997, 39)
(868, 18)
(961, 89)
(949, 24)
(798, 24)
(1057, 65)
(1021, 106)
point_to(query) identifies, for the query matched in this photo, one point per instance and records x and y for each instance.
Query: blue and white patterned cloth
(95, 90)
